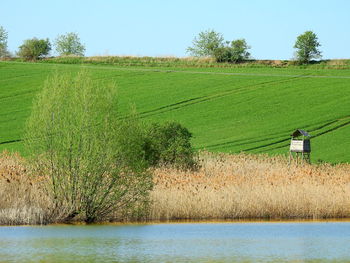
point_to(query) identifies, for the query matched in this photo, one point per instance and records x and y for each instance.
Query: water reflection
(190, 242)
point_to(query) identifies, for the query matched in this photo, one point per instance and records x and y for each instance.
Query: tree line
(34, 48)
(207, 43)
(210, 43)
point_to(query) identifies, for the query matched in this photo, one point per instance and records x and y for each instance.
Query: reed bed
(225, 186)
(23, 199)
(251, 186)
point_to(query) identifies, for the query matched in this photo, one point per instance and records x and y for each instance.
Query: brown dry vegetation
(251, 186)
(224, 187)
(22, 197)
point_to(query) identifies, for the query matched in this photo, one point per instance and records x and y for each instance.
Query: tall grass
(250, 186)
(22, 198)
(225, 187)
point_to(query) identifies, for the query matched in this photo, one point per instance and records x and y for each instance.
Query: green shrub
(169, 144)
(33, 49)
(93, 159)
(223, 54)
(235, 53)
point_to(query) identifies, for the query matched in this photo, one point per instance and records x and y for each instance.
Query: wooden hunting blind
(300, 146)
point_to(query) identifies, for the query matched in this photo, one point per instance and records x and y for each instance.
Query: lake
(178, 242)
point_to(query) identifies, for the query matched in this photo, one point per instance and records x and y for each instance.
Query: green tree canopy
(206, 43)
(169, 144)
(93, 158)
(240, 50)
(307, 47)
(33, 49)
(69, 44)
(236, 52)
(3, 42)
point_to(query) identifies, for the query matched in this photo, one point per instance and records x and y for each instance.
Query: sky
(167, 28)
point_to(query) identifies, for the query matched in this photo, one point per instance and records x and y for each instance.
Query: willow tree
(93, 159)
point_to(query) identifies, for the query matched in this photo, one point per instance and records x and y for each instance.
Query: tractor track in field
(201, 99)
(347, 123)
(241, 142)
(29, 75)
(17, 94)
(276, 136)
(242, 74)
(210, 72)
(11, 141)
(18, 77)
(277, 140)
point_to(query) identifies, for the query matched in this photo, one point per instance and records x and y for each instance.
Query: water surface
(184, 242)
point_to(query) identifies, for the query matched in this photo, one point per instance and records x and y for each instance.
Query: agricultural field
(238, 109)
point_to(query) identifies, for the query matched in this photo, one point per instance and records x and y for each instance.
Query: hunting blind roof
(299, 132)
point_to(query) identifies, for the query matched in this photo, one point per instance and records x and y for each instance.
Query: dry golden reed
(22, 197)
(225, 186)
(251, 186)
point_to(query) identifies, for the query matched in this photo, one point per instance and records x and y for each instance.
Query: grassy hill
(229, 109)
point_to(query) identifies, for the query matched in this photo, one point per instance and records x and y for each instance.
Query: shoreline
(195, 221)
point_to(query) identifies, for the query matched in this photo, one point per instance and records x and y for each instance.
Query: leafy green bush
(237, 52)
(169, 144)
(223, 54)
(93, 159)
(33, 49)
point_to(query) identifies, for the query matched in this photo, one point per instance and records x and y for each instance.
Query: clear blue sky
(166, 28)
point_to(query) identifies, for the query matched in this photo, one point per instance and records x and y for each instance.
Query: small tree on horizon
(69, 44)
(240, 50)
(33, 49)
(206, 43)
(307, 47)
(3, 42)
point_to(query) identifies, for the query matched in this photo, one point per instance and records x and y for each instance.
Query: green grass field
(251, 109)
